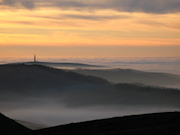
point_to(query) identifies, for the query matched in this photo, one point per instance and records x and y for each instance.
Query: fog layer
(50, 96)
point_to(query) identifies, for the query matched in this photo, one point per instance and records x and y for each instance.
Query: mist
(63, 108)
(55, 114)
(49, 96)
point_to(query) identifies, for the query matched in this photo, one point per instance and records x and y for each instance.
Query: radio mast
(35, 58)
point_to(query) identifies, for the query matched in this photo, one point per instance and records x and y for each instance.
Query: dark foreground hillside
(148, 124)
(10, 127)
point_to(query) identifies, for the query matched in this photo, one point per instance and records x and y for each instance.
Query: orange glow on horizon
(56, 27)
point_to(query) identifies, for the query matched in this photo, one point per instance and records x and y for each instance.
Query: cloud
(146, 6)
(18, 22)
(92, 17)
(70, 4)
(159, 24)
(28, 4)
(9, 2)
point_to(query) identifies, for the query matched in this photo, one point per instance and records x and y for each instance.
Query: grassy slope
(10, 127)
(148, 124)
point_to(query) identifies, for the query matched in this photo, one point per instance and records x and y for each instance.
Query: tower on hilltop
(35, 58)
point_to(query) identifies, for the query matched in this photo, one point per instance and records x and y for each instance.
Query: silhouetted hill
(63, 64)
(134, 76)
(148, 124)
(10, 127)
(125, 95)
(31, 90)
(60, 64)
(73, 89)
(30, 125)
(18, 76)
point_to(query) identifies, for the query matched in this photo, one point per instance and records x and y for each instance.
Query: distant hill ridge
(64, 63)
(21, 81)
(134, 76)
(58, 64)
(22, 75)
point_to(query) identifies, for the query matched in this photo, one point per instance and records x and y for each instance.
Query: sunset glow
(88, 23)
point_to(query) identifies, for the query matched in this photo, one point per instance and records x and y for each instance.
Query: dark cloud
(28, 4)
(19, 22)
(23, 22)
(151, 23)
(84, 17)
(9, 2)
(17, 3)
(95, 17)
(70, 4)
(158, 24)
(147, 6)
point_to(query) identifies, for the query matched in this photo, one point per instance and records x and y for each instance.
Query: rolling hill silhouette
(55, 64)
(148, 124)
(79, 90)
(134, 76)
(37, 89)
(59, 64)
(37, 76)
(10, 127)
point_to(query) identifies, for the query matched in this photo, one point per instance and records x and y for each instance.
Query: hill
(37, 94)
(10, 127)
(134, 76)
(19, 76)
(80, 90)
(148, 124)
(59, 64)
(29, 125)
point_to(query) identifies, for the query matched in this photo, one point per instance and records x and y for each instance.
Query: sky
(86, 28)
